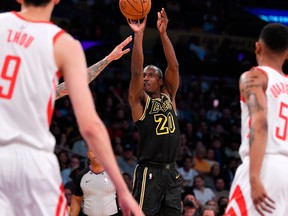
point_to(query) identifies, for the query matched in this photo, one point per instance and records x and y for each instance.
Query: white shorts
(30, 183)
(274, 176)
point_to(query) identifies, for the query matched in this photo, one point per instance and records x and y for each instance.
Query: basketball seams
(135, 9)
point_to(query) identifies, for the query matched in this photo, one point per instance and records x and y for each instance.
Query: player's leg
(6, 207)
(274, 175)
(172, 206)
(30, 179)
(44, 184)
(148, 189)
(240, 202)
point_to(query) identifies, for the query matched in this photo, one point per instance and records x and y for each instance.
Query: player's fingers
(126, 51)
(126, 41)
(269, 203)
(259, 209)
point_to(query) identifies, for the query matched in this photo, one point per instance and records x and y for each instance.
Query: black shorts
(157, 189)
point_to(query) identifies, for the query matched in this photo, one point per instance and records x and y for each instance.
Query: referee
(94, 192)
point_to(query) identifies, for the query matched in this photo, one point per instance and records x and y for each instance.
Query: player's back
(27, 81)
(277, 115)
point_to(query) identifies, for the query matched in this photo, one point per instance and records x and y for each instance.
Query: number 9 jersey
(28, 79)
(277, 115)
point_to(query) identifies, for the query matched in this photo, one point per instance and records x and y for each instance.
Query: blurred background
(214, 43)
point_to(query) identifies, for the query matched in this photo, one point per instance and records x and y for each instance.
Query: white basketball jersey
(28, 79)
(277, 115)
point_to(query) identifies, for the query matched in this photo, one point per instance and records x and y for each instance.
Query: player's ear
(20, 1)
(258, 48)
(161, 82)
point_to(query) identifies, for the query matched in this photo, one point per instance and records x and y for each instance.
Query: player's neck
(273, 62)
(36, 13)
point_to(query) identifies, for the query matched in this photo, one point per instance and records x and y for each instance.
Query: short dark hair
(157, 69)
(275, 37)
(37, 2)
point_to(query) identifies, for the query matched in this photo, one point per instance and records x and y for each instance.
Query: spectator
(214, 173)
(202, 193)
(75, 162)
(187, 172)
(127, 162)
(188, 208)
(201, 165)
(220, 188)
(209, 211)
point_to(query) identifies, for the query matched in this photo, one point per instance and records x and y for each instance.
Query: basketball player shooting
(152, 101)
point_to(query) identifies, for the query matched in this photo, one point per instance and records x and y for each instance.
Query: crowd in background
(207, 101)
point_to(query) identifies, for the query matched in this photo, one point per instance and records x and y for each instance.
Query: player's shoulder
(253, 73)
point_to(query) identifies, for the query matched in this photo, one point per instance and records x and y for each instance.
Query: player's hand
(162, 21)
(262, 202)
(137, 25)
(128, 205)
(118, 51)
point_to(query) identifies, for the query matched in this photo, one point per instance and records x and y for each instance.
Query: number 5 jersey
(277, 115)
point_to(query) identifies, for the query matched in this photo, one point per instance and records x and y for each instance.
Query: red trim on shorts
(231, 212)
(33, 21)
(239, 198)
(61, 201)
(57, 35)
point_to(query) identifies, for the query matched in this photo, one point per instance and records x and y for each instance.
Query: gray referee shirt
(98, 191)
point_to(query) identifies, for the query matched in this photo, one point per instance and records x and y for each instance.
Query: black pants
(157, 189)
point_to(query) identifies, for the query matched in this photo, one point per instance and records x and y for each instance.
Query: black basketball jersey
(159, 132)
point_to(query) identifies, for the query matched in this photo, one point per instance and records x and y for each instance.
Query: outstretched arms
(171, 74)
(252, 87)
(96, 69)
(136, 89)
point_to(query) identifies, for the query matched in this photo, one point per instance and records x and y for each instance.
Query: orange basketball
(135, 9)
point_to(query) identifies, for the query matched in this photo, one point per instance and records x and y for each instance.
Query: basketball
(135, 9)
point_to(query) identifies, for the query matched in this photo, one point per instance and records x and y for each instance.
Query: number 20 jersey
(28, 79)
(277, 115)
(159, 132)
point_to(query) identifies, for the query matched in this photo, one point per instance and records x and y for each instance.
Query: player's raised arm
(136, 89)
(94, 70)
(252, 87)
(71, 60)
(171, 83)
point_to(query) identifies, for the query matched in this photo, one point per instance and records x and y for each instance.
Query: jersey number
(8, 76)
(165, 124)
(282, 134)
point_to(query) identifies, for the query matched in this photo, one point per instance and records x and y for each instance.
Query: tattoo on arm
(253, 104)
(93, 72)
(251, 136)
(95, 69)
(61, 91)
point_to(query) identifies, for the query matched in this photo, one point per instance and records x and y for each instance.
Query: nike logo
(177, 176)
(88, 181)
